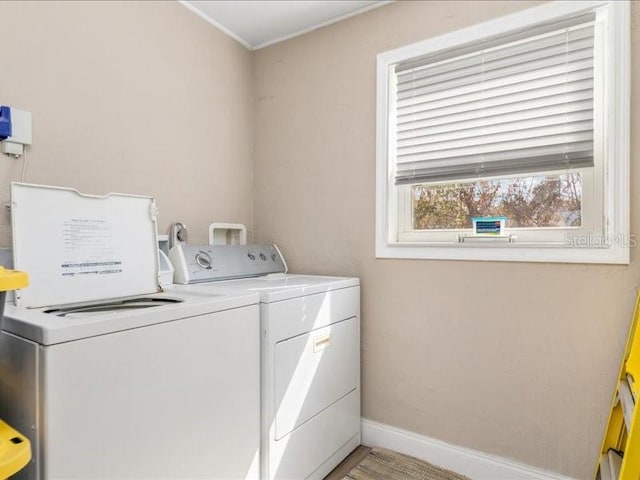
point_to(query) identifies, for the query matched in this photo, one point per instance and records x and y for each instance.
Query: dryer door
(313, 371)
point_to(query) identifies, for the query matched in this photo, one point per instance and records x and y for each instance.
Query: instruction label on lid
(81, 248)
(88, 248)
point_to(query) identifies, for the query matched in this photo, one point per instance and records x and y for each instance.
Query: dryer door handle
(321, 343)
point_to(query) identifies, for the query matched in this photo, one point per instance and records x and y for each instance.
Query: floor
(348, 463)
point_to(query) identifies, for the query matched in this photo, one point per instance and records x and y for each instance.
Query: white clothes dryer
(310, 360)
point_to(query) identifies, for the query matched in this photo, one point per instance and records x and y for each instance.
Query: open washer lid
(80, 248)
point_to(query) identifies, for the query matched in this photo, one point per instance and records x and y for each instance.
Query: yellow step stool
(15, 448)
(620, 452)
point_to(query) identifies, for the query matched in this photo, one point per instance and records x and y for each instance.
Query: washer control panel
(207, 263)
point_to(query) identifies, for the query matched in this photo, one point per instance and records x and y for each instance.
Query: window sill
(615, 254)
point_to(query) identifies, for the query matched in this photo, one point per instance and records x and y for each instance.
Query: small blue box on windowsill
(492, 226)
(5, 122)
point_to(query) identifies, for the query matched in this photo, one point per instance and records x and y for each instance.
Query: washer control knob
(263, 256)
(251, 256)
(203, 259)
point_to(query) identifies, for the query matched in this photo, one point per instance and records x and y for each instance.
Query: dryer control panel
(208, 263)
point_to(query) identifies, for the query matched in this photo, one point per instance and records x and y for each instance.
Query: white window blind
(510, 105)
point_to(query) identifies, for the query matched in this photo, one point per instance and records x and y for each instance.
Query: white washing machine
(310, 330)
(131, 386)
(162, 386)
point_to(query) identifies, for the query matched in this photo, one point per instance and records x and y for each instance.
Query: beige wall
(512, 359)
(133, 97)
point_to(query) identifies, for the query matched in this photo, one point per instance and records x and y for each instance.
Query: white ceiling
(257, 24)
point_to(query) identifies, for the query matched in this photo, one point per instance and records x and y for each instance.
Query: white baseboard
(474, 464)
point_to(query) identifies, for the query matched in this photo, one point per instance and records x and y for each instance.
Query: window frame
(611, 142)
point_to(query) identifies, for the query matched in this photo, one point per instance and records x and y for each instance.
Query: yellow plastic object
(12, 279)
(15, 448)
(624, 435)
(15, 451)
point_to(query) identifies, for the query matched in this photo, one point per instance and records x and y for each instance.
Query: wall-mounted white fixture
(15, 130)
(227, 234)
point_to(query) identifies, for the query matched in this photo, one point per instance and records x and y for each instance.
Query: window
(525, 117)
